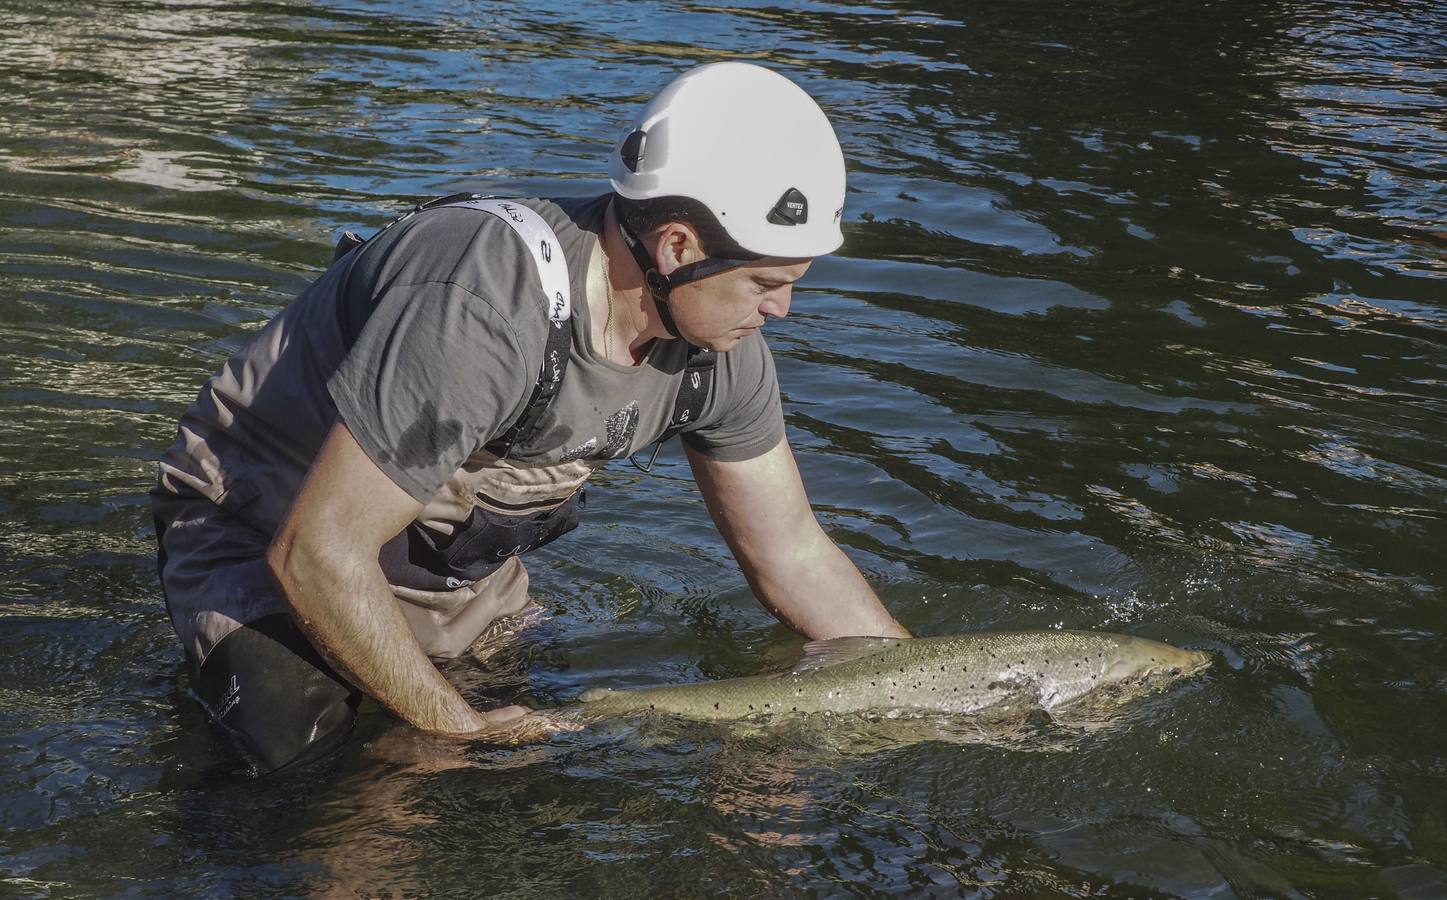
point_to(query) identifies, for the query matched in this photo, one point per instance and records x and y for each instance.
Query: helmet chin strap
(661, 285)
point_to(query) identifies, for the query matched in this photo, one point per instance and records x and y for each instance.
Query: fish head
(1139, 659)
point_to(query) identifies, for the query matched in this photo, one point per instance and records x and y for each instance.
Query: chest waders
(425, 559)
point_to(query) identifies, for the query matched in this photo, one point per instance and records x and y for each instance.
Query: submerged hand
(519, 725)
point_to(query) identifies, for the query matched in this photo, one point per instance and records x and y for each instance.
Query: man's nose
(777, 303)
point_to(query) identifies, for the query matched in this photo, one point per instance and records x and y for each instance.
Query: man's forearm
(820, 593)
(350, 615)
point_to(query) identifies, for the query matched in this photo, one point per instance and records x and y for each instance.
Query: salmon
(967, 674)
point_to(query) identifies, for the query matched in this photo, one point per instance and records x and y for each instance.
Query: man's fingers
(520, 725)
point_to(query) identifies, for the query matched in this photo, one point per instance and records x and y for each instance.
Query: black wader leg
(267, 685)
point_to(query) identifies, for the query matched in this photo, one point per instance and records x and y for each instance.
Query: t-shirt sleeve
(744, 418)
(435, 374)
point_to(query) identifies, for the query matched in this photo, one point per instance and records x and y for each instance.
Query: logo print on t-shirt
(621, 426)
(584, 449)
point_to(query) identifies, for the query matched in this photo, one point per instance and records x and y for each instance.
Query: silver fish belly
(958, 674)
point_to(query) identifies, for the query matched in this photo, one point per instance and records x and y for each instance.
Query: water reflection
(1138, 325)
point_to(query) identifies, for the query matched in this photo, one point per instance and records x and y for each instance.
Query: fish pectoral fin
(818, 654)
(592, 694)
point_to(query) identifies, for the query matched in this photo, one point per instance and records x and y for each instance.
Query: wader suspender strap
(688, 406)
(552, 269)
(693, 393)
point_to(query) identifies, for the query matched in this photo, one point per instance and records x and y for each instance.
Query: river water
(1140, 325)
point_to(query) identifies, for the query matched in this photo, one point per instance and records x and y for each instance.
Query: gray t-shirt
(449, 326)
(428, 341)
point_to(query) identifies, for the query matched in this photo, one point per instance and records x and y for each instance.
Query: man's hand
(512, 725)
(325, 559)
(799, 574)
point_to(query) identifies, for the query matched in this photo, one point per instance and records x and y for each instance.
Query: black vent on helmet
(632, 150)
(792, 209)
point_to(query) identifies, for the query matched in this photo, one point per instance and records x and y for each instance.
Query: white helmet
(749, 145)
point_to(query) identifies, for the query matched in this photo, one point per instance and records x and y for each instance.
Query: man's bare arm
(795, 569)
(325, 559)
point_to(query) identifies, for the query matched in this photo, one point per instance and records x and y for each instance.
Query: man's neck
(635, 320)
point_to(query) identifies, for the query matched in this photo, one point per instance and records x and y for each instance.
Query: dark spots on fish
(871, 684)
(650, 706)
(942, 668)
(766, 706)
(751, 706)
(901, 668)
(972, 687)
(796, 709)
(1077, 665)
(715, 706)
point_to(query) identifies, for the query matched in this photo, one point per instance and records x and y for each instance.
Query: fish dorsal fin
(818, 654)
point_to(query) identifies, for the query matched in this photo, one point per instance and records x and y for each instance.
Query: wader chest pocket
(423, 559)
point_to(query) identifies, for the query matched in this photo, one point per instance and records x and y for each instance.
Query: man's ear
(678, 245)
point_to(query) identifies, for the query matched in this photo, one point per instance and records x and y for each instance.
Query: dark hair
(647, 216)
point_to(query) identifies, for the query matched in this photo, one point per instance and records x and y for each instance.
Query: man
(349, 495)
